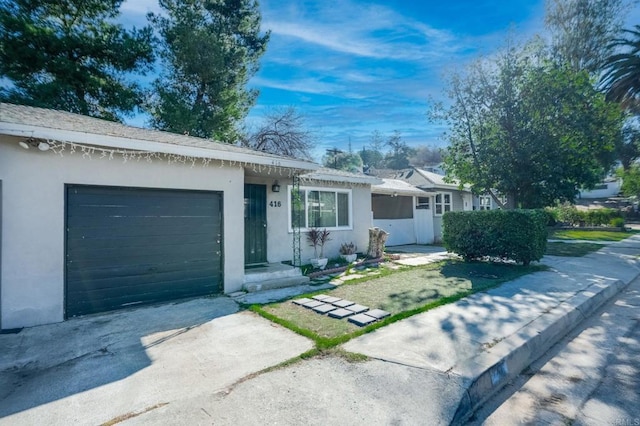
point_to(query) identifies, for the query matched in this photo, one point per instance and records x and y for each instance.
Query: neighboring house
(96, 215)
(609, 187)
(404, 211)
(447, 197)
(486, 202)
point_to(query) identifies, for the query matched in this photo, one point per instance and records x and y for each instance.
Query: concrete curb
(507, 359)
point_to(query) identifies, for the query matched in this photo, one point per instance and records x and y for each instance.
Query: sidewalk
(482, 342)
(432, 368)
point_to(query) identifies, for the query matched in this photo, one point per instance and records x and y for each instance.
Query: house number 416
(275, 204)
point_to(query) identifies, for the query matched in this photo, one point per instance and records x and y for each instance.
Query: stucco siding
(33, 216)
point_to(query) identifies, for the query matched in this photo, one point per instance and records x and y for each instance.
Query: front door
(255, 224)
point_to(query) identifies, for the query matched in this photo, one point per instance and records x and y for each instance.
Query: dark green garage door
(132, 246)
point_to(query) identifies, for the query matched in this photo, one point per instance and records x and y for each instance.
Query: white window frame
(307, 189)
(442, 204)
(485, 202)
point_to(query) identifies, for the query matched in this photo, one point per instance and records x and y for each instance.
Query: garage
(134, 246)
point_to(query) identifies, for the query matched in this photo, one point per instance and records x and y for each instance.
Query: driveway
(95, 369)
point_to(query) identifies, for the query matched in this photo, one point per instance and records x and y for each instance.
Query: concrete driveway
(95, 369)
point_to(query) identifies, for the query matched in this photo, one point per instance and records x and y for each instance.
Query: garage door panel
(132, 221)
(98, 271)
(100, 301)
(135, 246)
(134, 242)
(92, 232)
(102, 279)
(153, 253)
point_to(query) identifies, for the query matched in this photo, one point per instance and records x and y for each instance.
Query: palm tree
(621, 77)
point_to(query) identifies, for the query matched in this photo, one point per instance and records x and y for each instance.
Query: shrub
(617, 222)
(519, 235)
(570, 215)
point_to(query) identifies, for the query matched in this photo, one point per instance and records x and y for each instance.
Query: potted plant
(348, 251)
(318, 238)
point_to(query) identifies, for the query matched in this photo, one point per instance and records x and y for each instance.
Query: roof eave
(366, 180)
(117, 142)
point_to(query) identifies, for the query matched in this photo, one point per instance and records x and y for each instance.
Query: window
(442, 203)
(485, 202)
(423, 203)
(320, 208)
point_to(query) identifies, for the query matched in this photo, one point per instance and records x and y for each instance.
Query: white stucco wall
(280, 240)
(401, 231)
(33, 215)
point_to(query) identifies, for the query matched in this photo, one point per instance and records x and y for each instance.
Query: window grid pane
(343, 209)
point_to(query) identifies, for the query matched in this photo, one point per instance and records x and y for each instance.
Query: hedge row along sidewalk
(403, 293)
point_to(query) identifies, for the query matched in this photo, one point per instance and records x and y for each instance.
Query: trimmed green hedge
(519, 235)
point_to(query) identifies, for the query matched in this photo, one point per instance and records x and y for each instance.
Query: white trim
(349, 192)
(435, 203)
(37, 132)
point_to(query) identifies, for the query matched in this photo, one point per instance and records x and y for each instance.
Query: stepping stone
(377, 313)
(331, 300)
(343, 303)
(312, 304)
(340, 313)
(356, 309)
(301, 301)
(324, 308)
(321, 297)
(362, 320)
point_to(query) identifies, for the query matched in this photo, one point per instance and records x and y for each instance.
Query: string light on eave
(89, 152)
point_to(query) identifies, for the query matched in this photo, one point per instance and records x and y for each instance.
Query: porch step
(269, 284)
(271, 271)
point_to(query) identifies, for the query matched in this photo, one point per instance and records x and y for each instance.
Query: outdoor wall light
(32, 143)
(275, 187)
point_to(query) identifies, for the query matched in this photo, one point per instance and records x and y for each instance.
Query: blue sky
(355, 66)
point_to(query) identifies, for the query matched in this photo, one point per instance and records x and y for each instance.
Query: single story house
(404, 211)
(421, 197)
(96, 215)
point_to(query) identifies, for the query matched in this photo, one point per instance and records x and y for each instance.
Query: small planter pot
(349, 257)
(320, 263)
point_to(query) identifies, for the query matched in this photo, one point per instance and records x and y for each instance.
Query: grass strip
(312, 325)
(590, 235)
(571, 249)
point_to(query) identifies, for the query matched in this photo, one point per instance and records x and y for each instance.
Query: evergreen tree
(70, 55)
(209, 50)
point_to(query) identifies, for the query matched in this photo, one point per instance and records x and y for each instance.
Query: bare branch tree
(283, 132)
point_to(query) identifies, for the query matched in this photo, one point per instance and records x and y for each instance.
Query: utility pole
(334, 152)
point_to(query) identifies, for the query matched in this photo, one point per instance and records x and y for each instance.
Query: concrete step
(270, 272)
(275, 283)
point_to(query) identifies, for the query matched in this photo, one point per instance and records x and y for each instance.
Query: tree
(528, 128)
(340, 160)
(582, 30)
(628, 145)
(282, 133)
(71, 56)
(426, 156)
(373, 156)
(209, 50)
(399, 152)
(630, 180)
(621, 78)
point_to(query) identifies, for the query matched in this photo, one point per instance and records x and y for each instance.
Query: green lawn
(572, 249)
(402, 293)
(579, 234)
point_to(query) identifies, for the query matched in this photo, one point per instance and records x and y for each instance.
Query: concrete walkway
(479, 344)
(432, 368)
